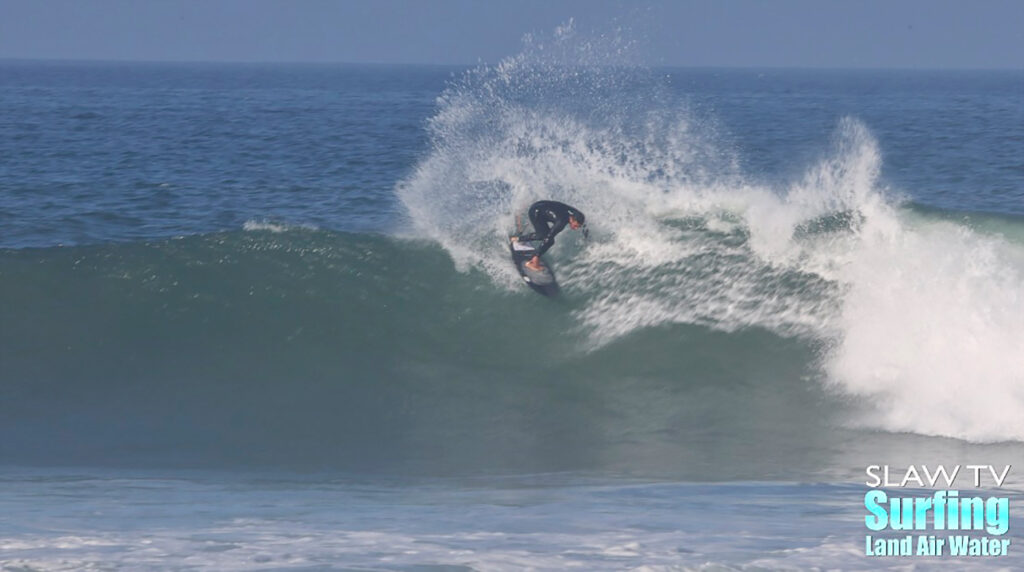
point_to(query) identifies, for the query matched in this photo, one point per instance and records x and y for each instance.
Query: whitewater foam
(921, 320)
(932, 332)
(257, 225)
(490, 526)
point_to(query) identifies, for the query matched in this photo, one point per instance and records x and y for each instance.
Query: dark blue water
(949, 139)
(97, 152)
(106, 152)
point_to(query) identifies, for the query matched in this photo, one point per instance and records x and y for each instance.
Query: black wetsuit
(549, 218)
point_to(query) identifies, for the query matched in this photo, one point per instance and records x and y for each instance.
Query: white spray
(923, 319)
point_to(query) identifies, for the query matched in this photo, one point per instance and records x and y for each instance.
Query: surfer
(548, 219)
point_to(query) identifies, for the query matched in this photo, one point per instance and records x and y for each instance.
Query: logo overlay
(945, 523)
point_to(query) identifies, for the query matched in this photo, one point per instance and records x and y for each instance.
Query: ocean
(262, 317)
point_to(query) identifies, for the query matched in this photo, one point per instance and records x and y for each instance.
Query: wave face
(312, 350)
(308, 349)
(915, 317)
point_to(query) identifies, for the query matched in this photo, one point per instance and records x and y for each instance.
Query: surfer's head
(576, 220)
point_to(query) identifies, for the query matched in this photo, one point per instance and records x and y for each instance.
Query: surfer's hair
(580, 218)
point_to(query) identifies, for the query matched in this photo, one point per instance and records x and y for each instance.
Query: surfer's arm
(535, 236)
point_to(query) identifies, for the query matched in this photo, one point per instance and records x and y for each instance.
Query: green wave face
(332, 351)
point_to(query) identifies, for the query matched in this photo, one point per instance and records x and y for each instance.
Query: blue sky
(748, 33)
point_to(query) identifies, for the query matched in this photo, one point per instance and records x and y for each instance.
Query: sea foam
(919, 320)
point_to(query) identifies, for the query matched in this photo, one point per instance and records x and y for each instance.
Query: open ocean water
(262, 316)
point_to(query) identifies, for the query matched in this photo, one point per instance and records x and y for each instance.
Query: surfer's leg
(540, 226)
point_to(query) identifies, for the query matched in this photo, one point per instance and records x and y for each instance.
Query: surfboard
(542, 281)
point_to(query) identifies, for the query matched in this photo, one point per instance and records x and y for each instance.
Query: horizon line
(5, 59)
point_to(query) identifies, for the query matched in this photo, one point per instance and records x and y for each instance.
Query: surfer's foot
(534, 264)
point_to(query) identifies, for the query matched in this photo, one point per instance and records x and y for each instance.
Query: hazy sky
(799, 33)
